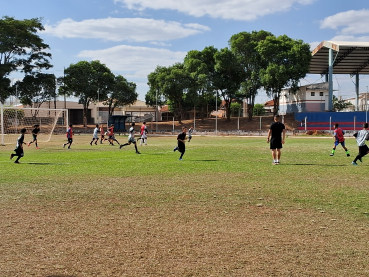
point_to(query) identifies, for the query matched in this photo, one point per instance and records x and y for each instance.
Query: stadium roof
(348, 58)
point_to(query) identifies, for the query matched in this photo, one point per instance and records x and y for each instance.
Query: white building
(310, 98)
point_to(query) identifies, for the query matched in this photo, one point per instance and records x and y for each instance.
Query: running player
(181, 140)
(102, 134)
(143, 138)
(69, 137)
(19, 147)
(361, 137)
(190, 131)
(95, 135)
(131, 138)
(35, 131)
(339, 139)
(111, 136)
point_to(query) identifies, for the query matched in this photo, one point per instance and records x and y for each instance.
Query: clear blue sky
(132, 37)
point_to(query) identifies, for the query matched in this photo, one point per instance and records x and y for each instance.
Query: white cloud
(348, 23)
(128, 29)
(226, 9)
(160, 43)
(133, 61)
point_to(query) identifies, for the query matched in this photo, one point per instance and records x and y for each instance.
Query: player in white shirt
(131, 138)
(95, 136)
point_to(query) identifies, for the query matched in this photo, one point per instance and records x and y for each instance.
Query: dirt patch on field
(105, 238)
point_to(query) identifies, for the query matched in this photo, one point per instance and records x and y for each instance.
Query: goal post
(13, 119)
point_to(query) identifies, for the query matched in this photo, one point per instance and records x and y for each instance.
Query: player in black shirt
(277, 132)
(19, 147)
(181, 139)
(35, 131)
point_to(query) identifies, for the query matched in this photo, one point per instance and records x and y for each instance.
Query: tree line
(253, 61)
(22, 50)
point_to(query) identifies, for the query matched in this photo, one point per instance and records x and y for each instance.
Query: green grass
(234, 170)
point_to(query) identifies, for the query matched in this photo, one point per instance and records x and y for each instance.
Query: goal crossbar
(13, 119)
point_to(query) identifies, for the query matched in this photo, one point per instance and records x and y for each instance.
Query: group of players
(276, 138)
(19, 153)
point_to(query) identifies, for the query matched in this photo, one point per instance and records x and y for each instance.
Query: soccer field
(224, 210)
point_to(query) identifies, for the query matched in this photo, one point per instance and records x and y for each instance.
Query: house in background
(309, 98)
(363, 102)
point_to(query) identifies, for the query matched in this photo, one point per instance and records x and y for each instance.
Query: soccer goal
(14, 119)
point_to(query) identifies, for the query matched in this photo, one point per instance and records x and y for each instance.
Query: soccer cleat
(91, 143)
(331, 154)
(348, 155)
(37, 147)
(353, 163)
(138, 152)
(120, 147)
(175, 149)
(180, 159)
(11, 156)
(29, 144)
(16, 162)
(63, 145)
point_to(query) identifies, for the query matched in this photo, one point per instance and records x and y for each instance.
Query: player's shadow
(322, 164)
(43, 163)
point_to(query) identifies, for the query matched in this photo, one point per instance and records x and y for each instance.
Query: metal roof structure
(340, 57)
(348, 58)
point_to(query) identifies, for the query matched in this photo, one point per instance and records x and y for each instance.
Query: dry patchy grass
(211, 225)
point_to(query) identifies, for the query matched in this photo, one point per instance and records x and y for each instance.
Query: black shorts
(363, 150)
(181, 147)
(34, 137)
(70, 140)
(19, 151)
(275, 143)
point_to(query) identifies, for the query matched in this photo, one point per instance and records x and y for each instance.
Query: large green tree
(243, 45)
(228, 77)
(36, 89)
(21, 49)
(288, 61)
(200, 66)
(171, 83)
(89, 82)
(154, 97)
(122, 93)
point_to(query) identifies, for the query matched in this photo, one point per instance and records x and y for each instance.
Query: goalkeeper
(361, 137)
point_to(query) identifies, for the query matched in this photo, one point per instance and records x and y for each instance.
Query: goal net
(14, 119)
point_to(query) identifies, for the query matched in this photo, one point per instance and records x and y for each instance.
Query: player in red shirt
(143, 134)
(69, 137)
(339, 139)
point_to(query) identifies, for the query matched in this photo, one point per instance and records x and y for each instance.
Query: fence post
(354, 123)
(305, 123)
